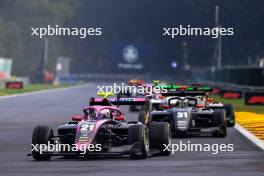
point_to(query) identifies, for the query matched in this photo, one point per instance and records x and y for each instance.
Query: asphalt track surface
(19, 115)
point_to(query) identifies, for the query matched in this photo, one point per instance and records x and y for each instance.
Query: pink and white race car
(103, 130)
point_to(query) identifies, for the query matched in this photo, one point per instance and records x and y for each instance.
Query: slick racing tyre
(141, 117)
(41, 135)
(230, 114)
(138, 134)
(160, 136)
(220, 121)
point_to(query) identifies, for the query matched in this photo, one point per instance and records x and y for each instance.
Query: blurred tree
(16, 19)
(132, 21)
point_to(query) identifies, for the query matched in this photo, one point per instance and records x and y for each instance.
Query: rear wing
(174, 87)
(117, 101)
(184, 93)
(201, 89)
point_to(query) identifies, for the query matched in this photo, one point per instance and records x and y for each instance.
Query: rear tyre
(220, 121)
(230, 113)
(141, 117)
(160, 136)
(139, 134)
(42, 135)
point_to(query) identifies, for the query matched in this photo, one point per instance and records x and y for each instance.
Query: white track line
(250, 136)
(41, 91)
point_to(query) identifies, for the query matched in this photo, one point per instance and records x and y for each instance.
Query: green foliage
(16, 19)
(127, 21)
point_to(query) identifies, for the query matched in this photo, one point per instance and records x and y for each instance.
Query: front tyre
(220, 121)
(141, 117)
(42, 135)
(138, 134)
(230, 114)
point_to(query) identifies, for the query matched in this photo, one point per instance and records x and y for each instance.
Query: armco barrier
(100, 77)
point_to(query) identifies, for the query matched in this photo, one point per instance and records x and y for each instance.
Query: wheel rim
(222, 129)
(146, 141)
(169, 136)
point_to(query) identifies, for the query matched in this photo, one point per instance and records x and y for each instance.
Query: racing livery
(185, 115)
(203, 99)
(105, 127)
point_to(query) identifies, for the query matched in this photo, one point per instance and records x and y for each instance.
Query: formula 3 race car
(184, 116)
(103, 131)
(205, 100)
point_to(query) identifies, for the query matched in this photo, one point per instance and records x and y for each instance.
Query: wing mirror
(120, 118)
(76, 118)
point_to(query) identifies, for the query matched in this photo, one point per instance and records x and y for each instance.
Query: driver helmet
(175, 102)
(105, 114)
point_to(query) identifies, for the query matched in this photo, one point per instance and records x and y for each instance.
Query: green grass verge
(239, 105)
(30, 88)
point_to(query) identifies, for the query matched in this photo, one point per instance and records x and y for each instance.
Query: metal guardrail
(233, 86)
(102, 77)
